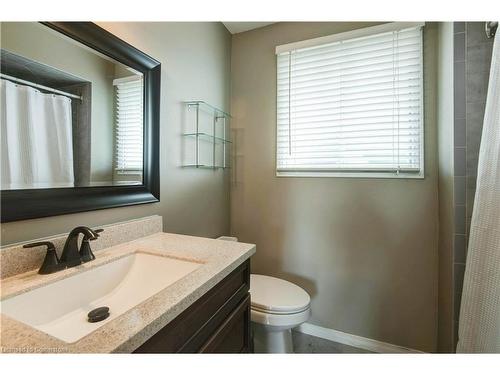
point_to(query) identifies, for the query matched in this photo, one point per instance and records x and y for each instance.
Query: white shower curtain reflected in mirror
(36, 132)
(479, 327)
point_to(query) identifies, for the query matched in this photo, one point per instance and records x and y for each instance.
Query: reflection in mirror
(70, 116)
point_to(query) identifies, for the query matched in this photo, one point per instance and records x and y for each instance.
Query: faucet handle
(97, 231)
(51, 262)
(50, 245)
(95, 234)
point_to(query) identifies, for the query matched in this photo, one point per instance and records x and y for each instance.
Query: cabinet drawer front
(190, 330)
(233, 335)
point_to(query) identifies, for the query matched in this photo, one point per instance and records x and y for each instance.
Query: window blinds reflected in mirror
(129, 125)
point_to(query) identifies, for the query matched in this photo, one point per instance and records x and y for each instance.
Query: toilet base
(271, 340)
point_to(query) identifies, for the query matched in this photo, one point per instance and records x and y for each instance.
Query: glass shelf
(204, 106)
(207, 137)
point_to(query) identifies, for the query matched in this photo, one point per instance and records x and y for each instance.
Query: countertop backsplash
(14, 259)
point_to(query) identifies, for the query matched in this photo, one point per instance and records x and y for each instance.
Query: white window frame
(393, 26)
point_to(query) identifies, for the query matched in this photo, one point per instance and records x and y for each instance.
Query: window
(351, 104)
(129, 124)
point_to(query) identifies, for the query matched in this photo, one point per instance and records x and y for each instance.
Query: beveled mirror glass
(72, 116)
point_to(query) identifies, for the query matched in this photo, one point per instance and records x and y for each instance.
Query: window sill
(362, 175)
(128, 172)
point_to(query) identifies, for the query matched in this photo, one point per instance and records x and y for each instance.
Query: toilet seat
(270, 295)
(264, 311)
(283, 321)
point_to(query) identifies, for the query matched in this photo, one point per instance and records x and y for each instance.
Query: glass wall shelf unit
(206, 136)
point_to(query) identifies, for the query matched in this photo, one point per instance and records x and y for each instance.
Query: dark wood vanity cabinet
(218, 322)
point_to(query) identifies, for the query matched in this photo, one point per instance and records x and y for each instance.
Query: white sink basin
(60, 309)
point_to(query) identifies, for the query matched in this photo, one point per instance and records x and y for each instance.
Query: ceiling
(239, 27)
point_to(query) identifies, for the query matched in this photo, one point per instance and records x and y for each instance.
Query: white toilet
(277, 307)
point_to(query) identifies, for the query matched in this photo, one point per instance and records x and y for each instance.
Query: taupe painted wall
(365, 249)
(195, 61)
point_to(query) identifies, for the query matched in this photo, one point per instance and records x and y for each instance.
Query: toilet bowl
(277, 306)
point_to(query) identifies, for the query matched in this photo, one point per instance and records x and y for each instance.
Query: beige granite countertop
(130, 330)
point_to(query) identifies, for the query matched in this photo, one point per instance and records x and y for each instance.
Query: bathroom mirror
(80, 120)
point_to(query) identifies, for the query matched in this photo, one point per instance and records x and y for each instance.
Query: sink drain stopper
(98, 314)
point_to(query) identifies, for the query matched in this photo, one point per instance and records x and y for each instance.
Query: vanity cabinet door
(233, 335)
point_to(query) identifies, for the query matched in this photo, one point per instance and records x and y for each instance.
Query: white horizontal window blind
(129, 124)
(352, 105)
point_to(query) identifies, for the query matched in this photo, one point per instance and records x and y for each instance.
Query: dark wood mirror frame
(36, 203)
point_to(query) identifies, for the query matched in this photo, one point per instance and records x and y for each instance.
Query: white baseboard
(353, 340)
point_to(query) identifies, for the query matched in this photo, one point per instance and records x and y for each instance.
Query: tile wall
(472, 59)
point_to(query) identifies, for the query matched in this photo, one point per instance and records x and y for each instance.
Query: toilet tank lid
(277, 295)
